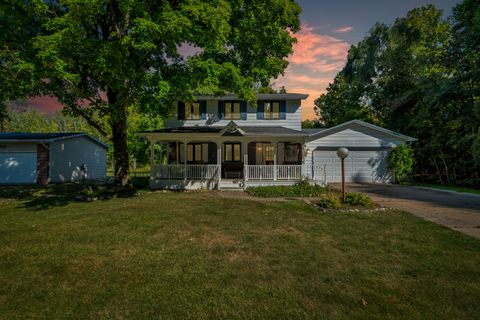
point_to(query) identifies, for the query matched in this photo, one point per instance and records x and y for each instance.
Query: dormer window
(271, 110)
(192, 111)
(232, 110)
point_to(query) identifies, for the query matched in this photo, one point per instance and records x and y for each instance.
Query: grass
(445, 187)
(198, 255)
(303, 189)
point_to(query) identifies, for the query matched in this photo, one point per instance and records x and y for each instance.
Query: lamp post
(342, 153)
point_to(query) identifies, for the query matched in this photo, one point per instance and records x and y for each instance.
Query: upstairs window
(232, 111)
(271, 110)
(192, 111)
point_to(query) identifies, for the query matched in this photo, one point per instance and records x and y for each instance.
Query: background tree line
(419, 76)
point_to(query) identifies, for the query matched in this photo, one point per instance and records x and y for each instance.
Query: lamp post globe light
(342, 153)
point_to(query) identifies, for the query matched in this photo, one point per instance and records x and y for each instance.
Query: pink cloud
(315, 61)
(312, 48)
(344, 29)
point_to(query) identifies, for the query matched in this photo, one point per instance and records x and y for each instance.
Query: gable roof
(325, 132)
(45, 137)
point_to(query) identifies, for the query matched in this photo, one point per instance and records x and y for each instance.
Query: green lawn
(194, 255)
(445, 187)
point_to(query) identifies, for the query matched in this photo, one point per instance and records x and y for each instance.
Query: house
(27, 158)
(224, 142)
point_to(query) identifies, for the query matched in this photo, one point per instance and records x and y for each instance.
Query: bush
(330, 202)
(358, 199)
(400, 162)
(301, 189)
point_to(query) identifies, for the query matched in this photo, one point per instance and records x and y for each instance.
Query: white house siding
(68, 155)
(368, 154)
(18, 163)
(293, 117)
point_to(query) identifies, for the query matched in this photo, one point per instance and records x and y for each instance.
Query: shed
(28, 158)
(368, 146)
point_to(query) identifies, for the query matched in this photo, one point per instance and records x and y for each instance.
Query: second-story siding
(293, 116)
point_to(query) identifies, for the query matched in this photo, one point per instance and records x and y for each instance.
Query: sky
(329, 28)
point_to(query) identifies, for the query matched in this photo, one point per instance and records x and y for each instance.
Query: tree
(419, 76)
(100, 57)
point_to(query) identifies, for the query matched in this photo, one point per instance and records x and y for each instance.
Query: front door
(232, 166)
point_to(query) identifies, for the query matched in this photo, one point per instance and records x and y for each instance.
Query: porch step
(231, 185)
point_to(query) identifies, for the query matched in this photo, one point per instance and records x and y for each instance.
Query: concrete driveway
(458, 211)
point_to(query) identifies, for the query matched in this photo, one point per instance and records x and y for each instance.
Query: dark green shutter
(221, 109)
(203, 110)
(283, 109)
(252, 153)
(181, 110)
(243, 110)
(260, 110)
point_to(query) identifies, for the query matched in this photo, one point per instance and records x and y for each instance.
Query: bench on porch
(232, 169)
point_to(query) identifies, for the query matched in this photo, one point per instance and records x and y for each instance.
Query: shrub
(330, 202)
(301, 189)
(358, 199)
(400, 162)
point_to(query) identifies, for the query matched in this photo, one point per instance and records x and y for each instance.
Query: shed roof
(45, 137)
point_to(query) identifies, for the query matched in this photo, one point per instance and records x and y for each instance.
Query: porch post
(274, 161)
(178, 154)
(219, 162)
(185, 160)
(245, 167)
(245, 159)
(152, 155)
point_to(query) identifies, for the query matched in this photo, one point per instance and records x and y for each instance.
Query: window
(194, 152)
(291, 152)
(269, 154)
(271, 110)
(192, 111)
(232, 110)
(233, 152)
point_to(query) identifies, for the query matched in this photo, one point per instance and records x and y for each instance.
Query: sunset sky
(329, 28)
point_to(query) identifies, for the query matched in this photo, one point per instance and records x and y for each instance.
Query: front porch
(212, 158)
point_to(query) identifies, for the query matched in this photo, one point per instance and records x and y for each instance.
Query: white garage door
(18, 167)
(360, 166)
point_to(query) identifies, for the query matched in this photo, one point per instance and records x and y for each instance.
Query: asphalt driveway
(458, 211)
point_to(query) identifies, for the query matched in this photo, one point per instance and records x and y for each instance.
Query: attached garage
(28, 158)
(368, 146)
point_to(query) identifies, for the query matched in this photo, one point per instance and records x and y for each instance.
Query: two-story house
(224, 142)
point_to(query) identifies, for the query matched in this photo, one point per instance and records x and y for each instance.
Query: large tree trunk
(118, 122)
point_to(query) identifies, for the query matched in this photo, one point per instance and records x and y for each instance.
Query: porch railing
(180, 171)
(251, 172)
(273, 172)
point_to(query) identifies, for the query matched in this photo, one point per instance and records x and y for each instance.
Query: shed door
(18, 167)
(360, 166)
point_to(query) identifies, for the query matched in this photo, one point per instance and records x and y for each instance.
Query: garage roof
(318, 133)
(45, 137)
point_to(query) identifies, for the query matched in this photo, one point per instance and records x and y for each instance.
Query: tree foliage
(101, 57)
(400, 163)
(419, 76)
